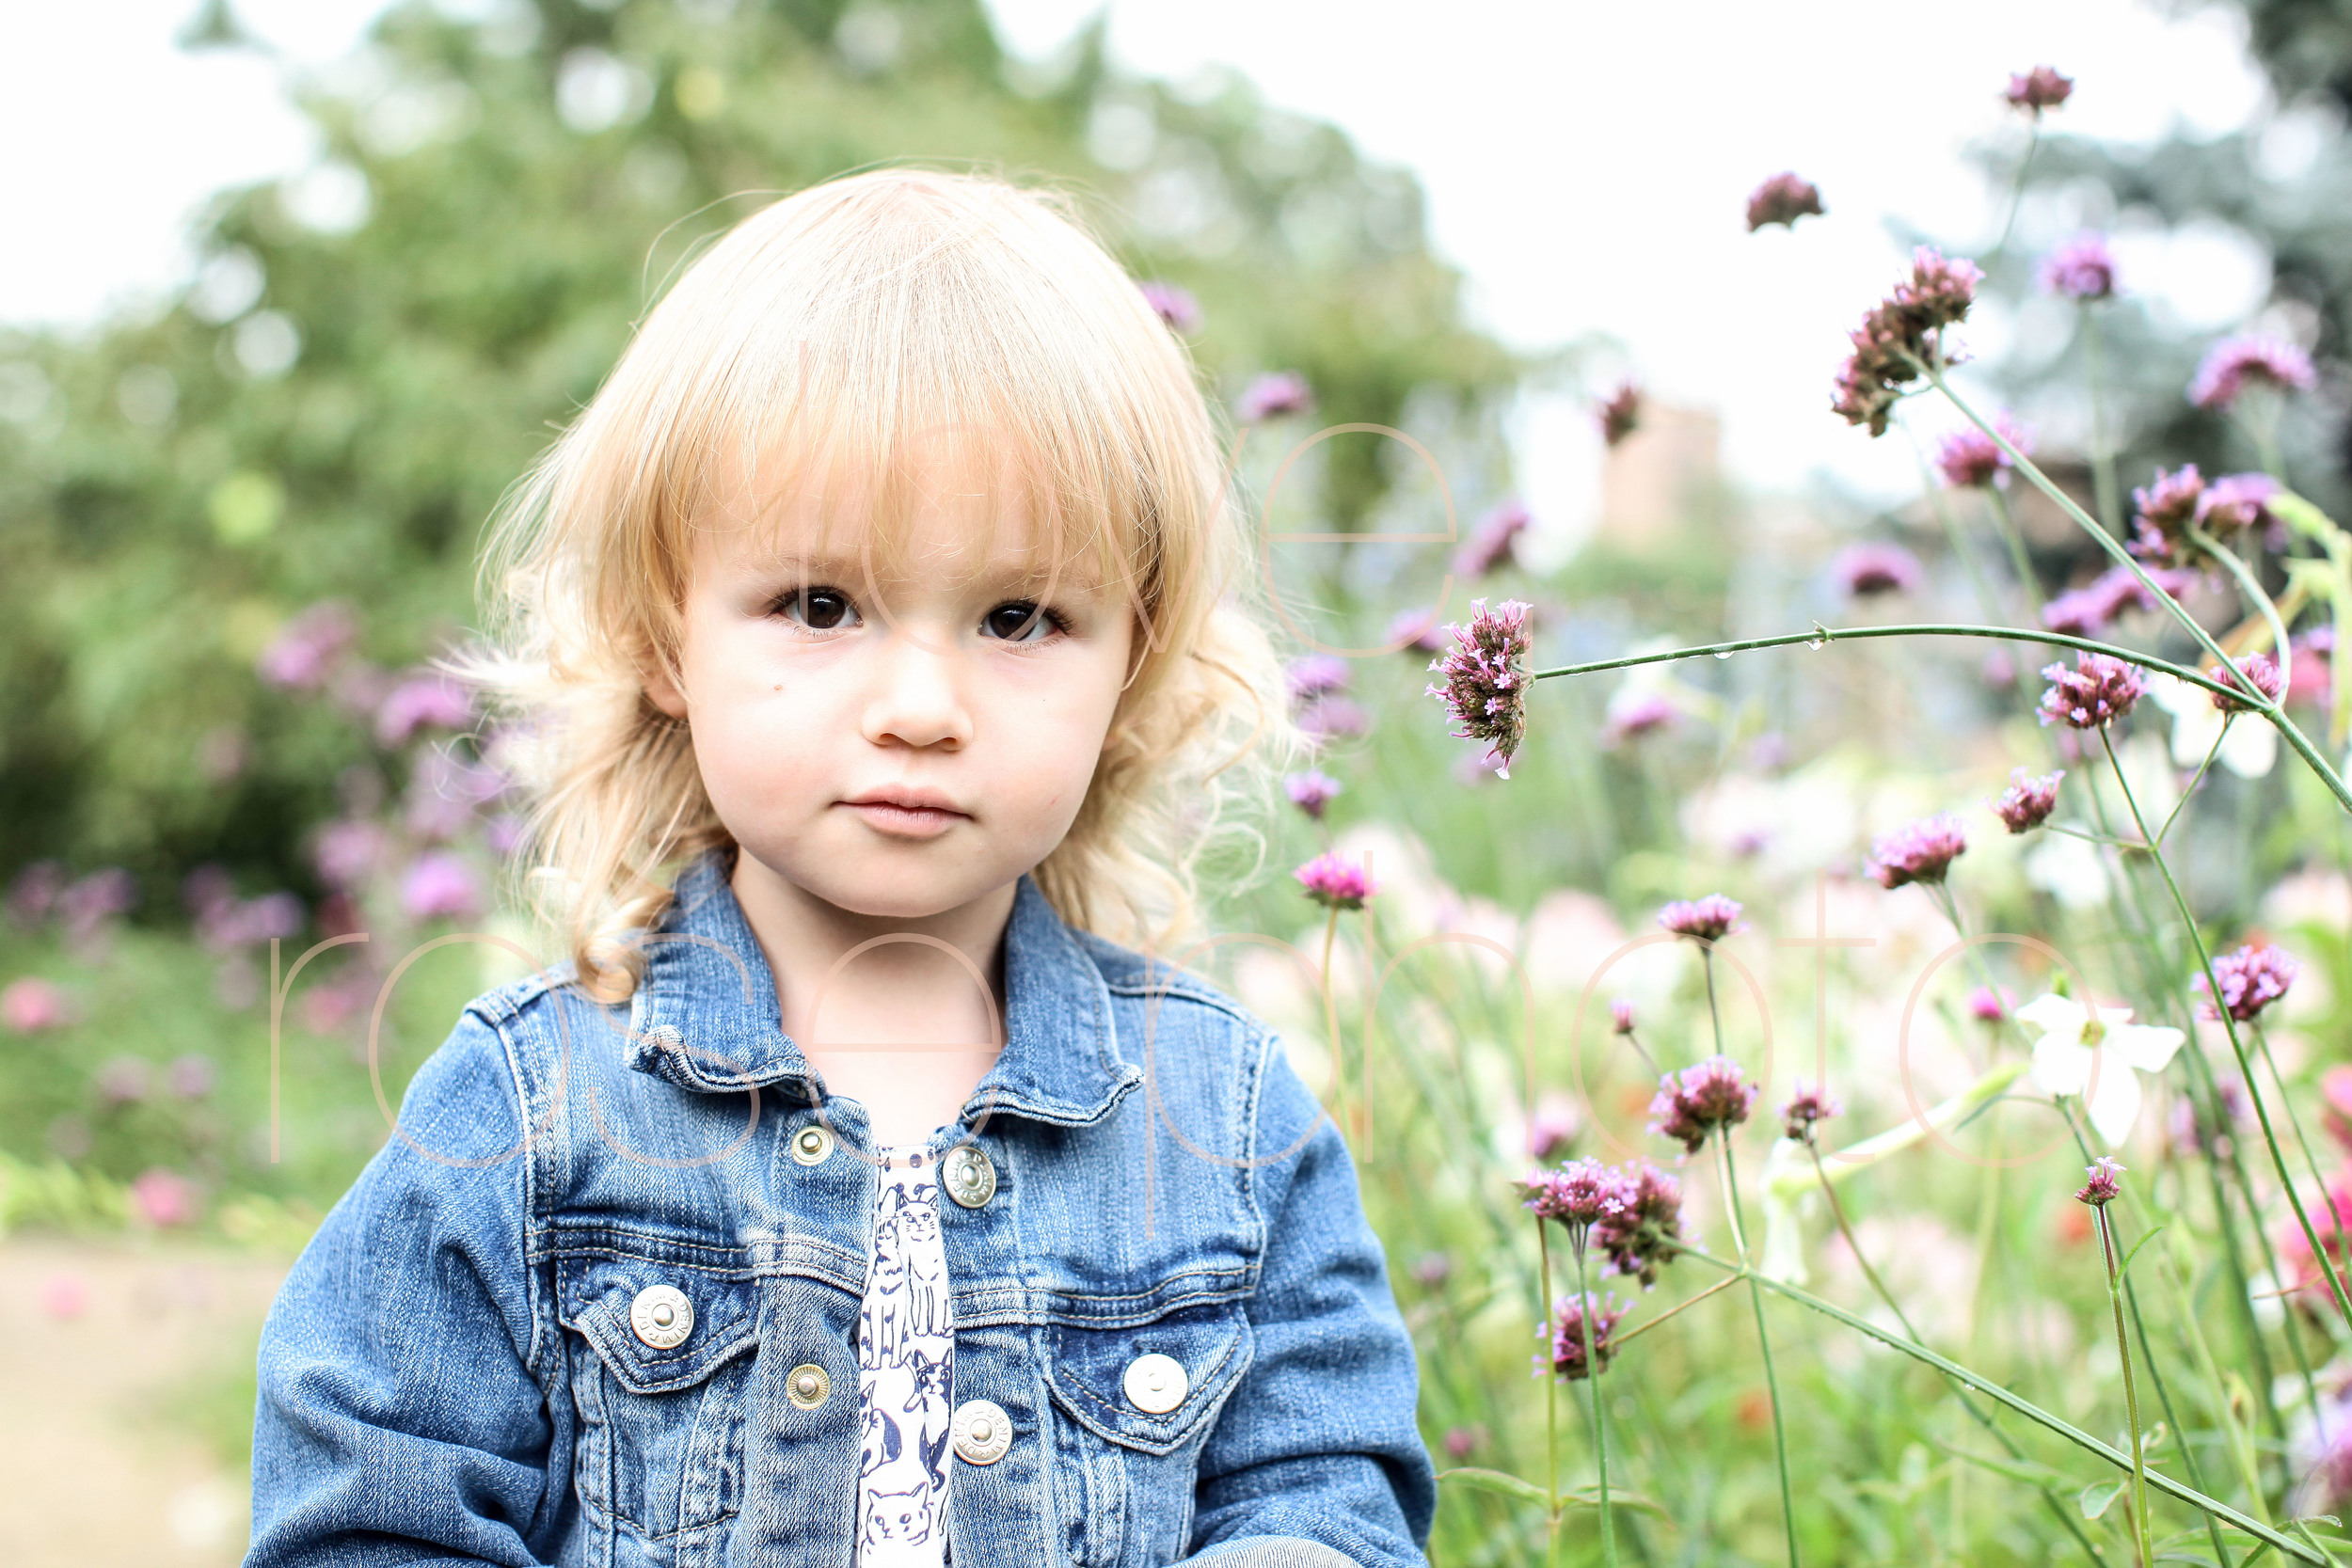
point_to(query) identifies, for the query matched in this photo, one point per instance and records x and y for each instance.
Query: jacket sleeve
(399, 1418)
(1319, 1444)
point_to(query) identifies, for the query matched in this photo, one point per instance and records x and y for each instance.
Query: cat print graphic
(906, 1347)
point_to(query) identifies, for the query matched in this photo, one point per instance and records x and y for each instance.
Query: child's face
(820, 689)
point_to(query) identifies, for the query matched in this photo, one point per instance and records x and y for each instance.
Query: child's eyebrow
(1079, 576)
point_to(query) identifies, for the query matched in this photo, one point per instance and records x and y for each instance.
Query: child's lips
(906, 817)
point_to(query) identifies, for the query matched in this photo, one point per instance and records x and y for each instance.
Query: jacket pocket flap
(1087, 1371)
(595, 1296)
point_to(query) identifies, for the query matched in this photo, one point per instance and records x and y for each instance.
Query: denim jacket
(460, 1367)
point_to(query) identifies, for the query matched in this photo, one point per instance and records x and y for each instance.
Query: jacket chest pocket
(661, 1361)
(1136, 1406)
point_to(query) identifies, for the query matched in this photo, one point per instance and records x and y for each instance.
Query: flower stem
(2021, 564)
(1763, 1338)
(2105, 490)
(2131, 1397)
(2211, 752)
(1724, 1284)
(1601, 1430)
(2251, 586)
(1551, 1404)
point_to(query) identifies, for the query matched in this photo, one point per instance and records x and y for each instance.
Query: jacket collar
(705, 1016)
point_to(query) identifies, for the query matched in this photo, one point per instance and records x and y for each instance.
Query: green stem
(1600, 1431)
(2241, 1441)
(2104, 489)
(1551, 1404)
(1763, 1338)
(2131, 1395)
(2211, 752)
(2250, 587)
(2017, 191)
(2020, 563)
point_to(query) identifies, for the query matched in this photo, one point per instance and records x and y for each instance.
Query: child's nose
(916, 697)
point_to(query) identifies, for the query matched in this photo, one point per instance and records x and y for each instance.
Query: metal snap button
(970, 1177)
(807, 1386)
(1156, 1383)
(810, 1145)
(662, 1316)
(982, 1431)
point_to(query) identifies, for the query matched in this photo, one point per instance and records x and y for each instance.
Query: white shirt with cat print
(905, 1350)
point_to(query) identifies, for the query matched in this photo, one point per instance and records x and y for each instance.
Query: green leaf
(2016, 1469)
(1589, 1497)
(1500, 1481)
(2101, 1495)
(2300, 515)
(2126, 1266)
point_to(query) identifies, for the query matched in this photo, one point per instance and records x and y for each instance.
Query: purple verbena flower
(2029, 802)
(1690, 1104)
(1312, 791)
(31, 1005)
(1333, 719)
(2038, 90)
(1619, 414)
(1579, 1195)
(433, 700)
(2256, 672)
(2097, 691)
(1901, 335)
(304, 654)
(1335, 882)
(1870, 568)
(1639, 1236)
(1987, 1006)
(1414, 631)
(1173, 305)
(1807, 1110)
(2236, 502)
(1709, 919)
(1484, 688)
(1633, 713)
(2102, 1189)
(1971, 460)
(1553, 1127)
(2083, 268)
(2252, 979)
(2163, 513)
(1783, 199)
(1621, 1016)
(1274, 394)
(2082, 611)
(439, 886)
(1567, 1337)
(1918, 851)
(2234, 364)
(1312, 676)
(1492, 545)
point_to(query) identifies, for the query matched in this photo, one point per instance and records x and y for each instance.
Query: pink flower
(1806, 1110)
(1971, 460)
(2255, 671)
(1274, 395)
(304, 655)
(1709, 919)
(1490, 546)
(32, 1004)
(1485, 678)
(2102, 1189)
(1312, 791)
(2097, 691)
(64, 1296)
(2038, 90)
(2236, 502)
(2234, 364)
(1554, 1127)
(1415, 632)
(1901, 335)
(1579, 1195)
(1333, 719)
(1699, 1100)
(2082, 268)
(1172, 305)
(1986, 1006)
(1337, 883)
(1638, 1238)
(1633, 714)
(1567, 1340)
(1783, 199)
(1619, 414)
(439, 886)
(433, 701)
(1870, 568)
(2082, 611)
(1921, 852)
(1621, 1016)
(163, 1198)
(2163, 513)
(2028, 802)
(1312, 676)
(348, 853)
(1461, 1442)
(2252, 979)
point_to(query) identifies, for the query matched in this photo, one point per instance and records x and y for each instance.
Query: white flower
(2252, 749)
(2073, 1038)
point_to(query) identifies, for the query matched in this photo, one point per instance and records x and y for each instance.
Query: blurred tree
(371, 351)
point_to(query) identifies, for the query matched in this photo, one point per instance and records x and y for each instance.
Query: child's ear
(663, 693)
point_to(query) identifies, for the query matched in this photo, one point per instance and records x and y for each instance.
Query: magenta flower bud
(1336, 883)
(2102, 1189)
(1567, 1338)
(163, 1197)
(32, 1004)
(1172, 305)
(439, 886)
(1619, 414)
(1987, 1006)
(1901, 335)
(2234, 364)
(1492, 546)
(2256, 672)
(2083, 268)
(1634, 714)
(302, 656)
(1919, 851)
(2097, 691)
(2163, 512)
(1580, 1194)
(1970, 460)
(1621, 1015)
(1485, 684)
(1783, 199)
(1638, 1238)
(1414, 631)
(2038, 90)
(1312, 676)
(1461, 1442)
(1870, 568)
(1312, 791)
(2236, 502)
(1709, 919)
(426, 701)
(2252, 979)
(1699, 1100)
(1807, 1110)
(2028, 802)
(1273, 396)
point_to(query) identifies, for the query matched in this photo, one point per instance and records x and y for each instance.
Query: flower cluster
(1808, 1109)
(1312, 791)
(1172, 305)
(1870, 568)
(1485, 678)
(1492, 545)
(1919, 851)
(2252, 979)
(1335, 882)
(2097, 691)
(1632, 1213)
(2256, 672)
(1894, 344)
(2163, 513)
(2083, 611)
(2026, 803)
(2236, 502)
(1274, 395)
(1709, 919)
(2234, 364)
(2038, 90)
(1414, 631)
(1699, 1100)
(1568, 1335)
(1635, 712)
(2102, 1189)
(1579, 1195)
(1783, 199)
(1971, 460)
(1316, 684)
(2082, 268)
(1620, 413)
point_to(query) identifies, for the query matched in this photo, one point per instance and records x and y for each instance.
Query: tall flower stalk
(2100, 1190)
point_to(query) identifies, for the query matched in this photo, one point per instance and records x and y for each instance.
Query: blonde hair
(839, 326)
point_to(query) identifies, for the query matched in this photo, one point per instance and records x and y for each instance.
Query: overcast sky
(1586, 164)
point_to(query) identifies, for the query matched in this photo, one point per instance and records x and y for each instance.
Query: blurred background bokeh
(246, 448)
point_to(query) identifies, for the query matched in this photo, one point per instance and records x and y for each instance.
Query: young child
(850, 1195)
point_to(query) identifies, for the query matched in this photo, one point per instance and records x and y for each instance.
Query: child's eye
(818, 609)
(1023, 621)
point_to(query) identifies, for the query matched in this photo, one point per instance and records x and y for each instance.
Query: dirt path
(114, 1357)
